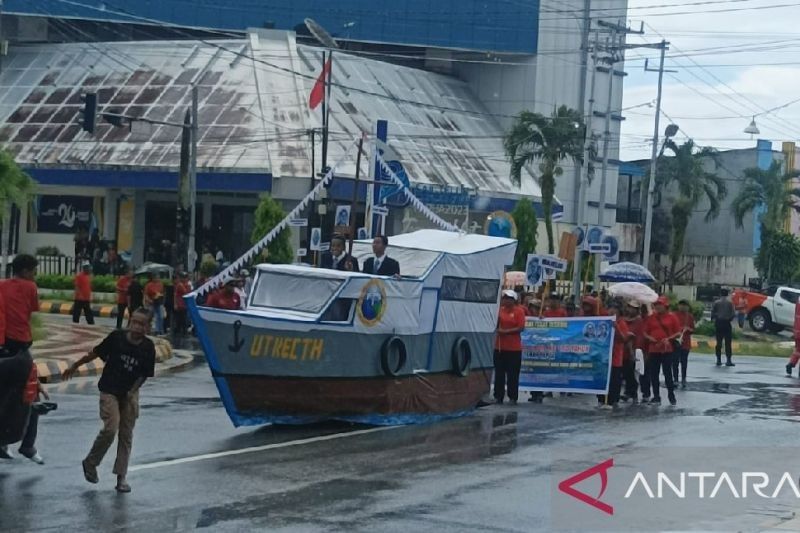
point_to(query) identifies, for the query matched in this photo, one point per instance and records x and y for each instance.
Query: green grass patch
(760, 349)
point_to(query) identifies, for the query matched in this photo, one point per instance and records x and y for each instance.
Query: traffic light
(89, 112)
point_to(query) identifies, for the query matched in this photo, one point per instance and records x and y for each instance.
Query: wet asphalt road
(492, 471)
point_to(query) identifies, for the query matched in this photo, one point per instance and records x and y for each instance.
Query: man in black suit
(381, 264)
(337, 258)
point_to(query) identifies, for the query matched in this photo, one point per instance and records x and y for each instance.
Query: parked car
(772, 310)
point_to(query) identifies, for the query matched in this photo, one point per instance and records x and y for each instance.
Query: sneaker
(33, 456)
(89, 472)
(730, 363)
(645, 399)
(672, 400)
(5, 453)
(656, 401)
(634, 401)
(789, 368)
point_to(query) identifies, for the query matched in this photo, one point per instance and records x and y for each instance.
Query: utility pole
(583, 183)
(651, 186)
(192, 255)
(615, 46)
(586, 28)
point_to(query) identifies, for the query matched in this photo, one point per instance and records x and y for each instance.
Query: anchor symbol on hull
(237, 342)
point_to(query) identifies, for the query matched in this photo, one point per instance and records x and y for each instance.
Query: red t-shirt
(635, 326)
(122, 289)
(508, 319)
(555, 313)
(83, 287)
(182, 288)
(686, 320)
(154, 289)
(660, 327)
(2, 320)
(21, 301)
(221, 300)
(621, 334)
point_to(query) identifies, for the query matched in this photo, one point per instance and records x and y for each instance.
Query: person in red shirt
(661, 330)
(681, 359)
(588, 306)
(154, 300)
(182, 288)
(634, 323)
(554, 308)
(123, 301)
(621, 337)
(83, 295)
(508, 348)
(226, 297)
(21, 300)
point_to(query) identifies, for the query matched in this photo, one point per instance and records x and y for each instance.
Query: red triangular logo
(567, 486)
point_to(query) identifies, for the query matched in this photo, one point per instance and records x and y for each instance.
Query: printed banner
(567, 354)
(61, 214)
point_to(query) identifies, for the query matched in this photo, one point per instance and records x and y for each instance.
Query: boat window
(339, 311)
(470, 290)
(298, 293)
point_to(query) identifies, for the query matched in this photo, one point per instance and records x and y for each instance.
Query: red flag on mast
(318, 92)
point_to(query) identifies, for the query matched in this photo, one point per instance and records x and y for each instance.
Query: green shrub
(706, 329)
(47, 251)
(60, 282)
(697, 308)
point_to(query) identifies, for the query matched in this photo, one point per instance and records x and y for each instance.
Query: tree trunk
(548, 190)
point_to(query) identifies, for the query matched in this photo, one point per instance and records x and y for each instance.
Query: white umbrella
(631, 290)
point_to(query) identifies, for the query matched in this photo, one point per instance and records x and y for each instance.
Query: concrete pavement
(493, 471)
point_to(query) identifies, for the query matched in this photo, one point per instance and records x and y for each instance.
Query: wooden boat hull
(288, 380)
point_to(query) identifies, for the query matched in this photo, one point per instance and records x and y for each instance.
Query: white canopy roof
(448, 242)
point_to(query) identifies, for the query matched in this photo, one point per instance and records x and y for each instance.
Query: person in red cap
(508, 348)
(589, 306)
(661, 330)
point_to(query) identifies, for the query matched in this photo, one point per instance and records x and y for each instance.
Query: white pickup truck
(771, 310)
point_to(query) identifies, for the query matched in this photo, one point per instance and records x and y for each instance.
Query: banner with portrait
(567, 354)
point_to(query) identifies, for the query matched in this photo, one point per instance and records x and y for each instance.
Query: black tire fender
(391, 344)
(461, 357)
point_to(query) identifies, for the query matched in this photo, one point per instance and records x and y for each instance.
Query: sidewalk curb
(65, 308)
(50, 370)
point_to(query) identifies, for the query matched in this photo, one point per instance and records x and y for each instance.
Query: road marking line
(274, 446)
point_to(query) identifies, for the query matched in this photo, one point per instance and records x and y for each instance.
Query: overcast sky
(751, 61)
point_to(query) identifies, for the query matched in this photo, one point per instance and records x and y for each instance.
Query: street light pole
(192, 254)
(651, 186)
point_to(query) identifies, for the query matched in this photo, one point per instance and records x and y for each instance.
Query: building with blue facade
(498, 25)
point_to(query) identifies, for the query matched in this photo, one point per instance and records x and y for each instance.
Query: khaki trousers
(118, 416)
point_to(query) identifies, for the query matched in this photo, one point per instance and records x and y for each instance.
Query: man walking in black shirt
(130, 359)
(722, 313)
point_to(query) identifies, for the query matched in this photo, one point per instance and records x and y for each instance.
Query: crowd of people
(649, 342)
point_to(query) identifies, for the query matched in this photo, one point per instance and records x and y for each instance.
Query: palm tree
(685, 170)
(16, 188)
(548, 140)
(771, 188)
